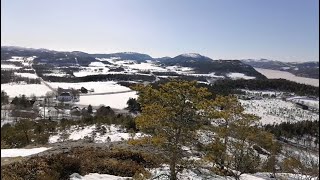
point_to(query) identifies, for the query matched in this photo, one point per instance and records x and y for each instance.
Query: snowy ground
(115, 133)
(205, 174)
(9, 66)
(239, 76)
(99, 87)
(261, 93)
(118, 101)
(190, 175)
(304, 100)
(21, 152)
(14, 89)
(277, 111)
(213, 75)
(28, 75)
(96, 176)
(55, 74)
(274, 74)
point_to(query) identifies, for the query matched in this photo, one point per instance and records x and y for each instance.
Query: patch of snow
(115, 133)
(179, 69)
(21, 152)
(277, 111)
(287, 176)
(146, 66)
(118, 101)
(9, 66)
(93, 70)
(5, 121)
(99, 87)
(28, 75)
(208, 75)
(55, 74)
(251, 92)
(14, 89)
(96, 176)
(239, 76)
(192, 55)
(285, 68)
(306, 101)
(163, 172)
(97, 64)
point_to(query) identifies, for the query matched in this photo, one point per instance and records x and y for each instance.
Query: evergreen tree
(90, 109)
(172, 115)
(133, 105)
(4, 98)
(235, 136)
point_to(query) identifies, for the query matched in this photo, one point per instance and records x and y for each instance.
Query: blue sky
(286, 30)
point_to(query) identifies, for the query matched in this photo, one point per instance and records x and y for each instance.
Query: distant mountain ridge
(201, 64)
(304, 69)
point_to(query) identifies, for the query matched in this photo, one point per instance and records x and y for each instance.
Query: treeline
(214, 89)
(8, 76)
(102, 77)
(22, 102)
(26, 131)
(298, 129)
(231, 86)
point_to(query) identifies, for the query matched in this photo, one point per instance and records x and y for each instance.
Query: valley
(74, 103)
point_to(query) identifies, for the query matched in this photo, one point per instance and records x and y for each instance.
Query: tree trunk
(173, 175)
(27, 136)
(174, 156)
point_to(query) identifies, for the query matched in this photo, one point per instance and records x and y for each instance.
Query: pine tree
(90, 111)
(235, 135)
(171, 115)
(4, 98)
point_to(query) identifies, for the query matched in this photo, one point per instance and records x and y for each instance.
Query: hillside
(303, 69)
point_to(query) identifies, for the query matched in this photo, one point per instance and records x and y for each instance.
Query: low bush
(119, 162)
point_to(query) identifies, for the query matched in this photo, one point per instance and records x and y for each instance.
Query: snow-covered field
(27, 75)
(95, 68)
(99, 87)
(180, 69)
(118, 101)
(274, 74)
(277, 111)
(9, 66)
(21, 152)
(115, 133)
(14, 89)
(239, 76)
(129, 66)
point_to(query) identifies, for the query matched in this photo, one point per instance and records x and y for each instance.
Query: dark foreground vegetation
(119, 162)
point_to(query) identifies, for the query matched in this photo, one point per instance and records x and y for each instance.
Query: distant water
(275, 74)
